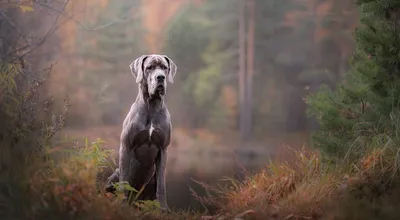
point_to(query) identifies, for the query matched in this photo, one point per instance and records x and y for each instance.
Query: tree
(199, 31)
(25, 131)
(108, 53)
(363, 111)
(247, 37)
(242, 68)
(250, 70)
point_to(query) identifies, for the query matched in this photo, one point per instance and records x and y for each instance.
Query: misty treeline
(243, 66)
(247, 65)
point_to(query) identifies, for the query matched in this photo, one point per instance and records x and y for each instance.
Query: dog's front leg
(161, 194)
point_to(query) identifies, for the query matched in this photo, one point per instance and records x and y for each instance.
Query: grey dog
(146, 131)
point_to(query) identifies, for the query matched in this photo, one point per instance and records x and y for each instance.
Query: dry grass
(301, 188)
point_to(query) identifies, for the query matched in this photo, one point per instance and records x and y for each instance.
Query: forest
(281, 109)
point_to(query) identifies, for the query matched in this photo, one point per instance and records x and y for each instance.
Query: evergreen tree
(364, 111)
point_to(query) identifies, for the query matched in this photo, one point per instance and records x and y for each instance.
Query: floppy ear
(172, 69)
(137, 68)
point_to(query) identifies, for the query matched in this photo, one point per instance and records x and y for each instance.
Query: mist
(244, 69)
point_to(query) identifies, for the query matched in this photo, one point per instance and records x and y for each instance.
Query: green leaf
(13, 83)
(25, 8)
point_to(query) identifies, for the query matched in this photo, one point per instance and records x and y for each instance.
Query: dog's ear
(172, 69)
(137, 68)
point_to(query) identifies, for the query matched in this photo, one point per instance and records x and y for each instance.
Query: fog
(238, 98)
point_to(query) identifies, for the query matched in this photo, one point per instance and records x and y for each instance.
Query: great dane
(146, 131)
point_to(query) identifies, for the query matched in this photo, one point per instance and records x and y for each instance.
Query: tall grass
(65, 186)
(303, 188)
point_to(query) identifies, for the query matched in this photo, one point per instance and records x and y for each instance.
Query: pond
(210, 168)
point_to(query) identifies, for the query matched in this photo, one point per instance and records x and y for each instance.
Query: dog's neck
(153, 103)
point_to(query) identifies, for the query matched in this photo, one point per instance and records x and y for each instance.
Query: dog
(146, 131)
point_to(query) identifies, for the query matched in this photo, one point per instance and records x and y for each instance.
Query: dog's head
(153, 71)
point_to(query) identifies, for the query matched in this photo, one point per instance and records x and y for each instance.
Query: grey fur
(146, 130)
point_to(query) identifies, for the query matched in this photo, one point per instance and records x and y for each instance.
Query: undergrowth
(301, 188)
(68, 188)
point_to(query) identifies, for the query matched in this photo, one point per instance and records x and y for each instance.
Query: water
(214, 168)
(209, 168)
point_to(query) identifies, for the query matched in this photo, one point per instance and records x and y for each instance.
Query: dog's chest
(156, 124)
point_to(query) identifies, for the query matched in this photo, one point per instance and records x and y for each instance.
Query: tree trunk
(250, 69)
(242, 70)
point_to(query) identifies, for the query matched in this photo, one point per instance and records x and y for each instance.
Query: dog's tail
(149, 136)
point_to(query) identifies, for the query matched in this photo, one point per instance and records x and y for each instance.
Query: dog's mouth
(161, 89)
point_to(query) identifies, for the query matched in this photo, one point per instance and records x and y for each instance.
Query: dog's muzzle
(161, 89)
(159, 84)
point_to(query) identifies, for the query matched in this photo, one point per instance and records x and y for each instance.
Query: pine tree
(364, 110)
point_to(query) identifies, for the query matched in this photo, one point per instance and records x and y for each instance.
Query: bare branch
(54, 27)
(13, 3)
(13, 25)
(71, 17)
(51, 30)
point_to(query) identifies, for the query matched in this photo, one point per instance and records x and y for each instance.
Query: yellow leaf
(25, 8)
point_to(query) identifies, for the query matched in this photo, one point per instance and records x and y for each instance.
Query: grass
(66, 186)
(304, 189)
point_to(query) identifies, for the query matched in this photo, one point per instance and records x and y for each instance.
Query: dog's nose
(160, 78)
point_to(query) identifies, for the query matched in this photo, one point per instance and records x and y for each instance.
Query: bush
(26, 130)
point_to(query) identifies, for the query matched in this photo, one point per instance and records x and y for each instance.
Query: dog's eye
(151, 67)
(163, 67)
